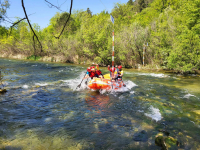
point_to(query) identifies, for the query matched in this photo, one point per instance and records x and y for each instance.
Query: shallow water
(43, 109)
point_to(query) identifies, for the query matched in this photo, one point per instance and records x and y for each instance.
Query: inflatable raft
(106, 84)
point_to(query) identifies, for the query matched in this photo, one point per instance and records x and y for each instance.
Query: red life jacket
(98, 72)
(92, 74)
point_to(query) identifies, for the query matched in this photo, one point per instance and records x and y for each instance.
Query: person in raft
(119, 75)
(90, 73)
(98, 71)
(113, 73)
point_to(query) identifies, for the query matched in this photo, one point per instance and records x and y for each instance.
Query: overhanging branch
(15, 24)
(6, 20)
(30, 24)
(66, 21)
(53, 5)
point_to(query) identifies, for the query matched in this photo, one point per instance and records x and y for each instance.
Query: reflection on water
(98, 101)
(43, 109)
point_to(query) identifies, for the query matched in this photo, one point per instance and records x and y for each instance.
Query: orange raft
(106, 84)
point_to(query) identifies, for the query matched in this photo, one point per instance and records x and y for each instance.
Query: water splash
(154, 113)
(73, 83)
(129, 85)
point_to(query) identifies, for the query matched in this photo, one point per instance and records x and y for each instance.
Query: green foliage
(3, 31)
(33, 57)
(170, 27)
(141, 4)
(3, 7)
(130, 2)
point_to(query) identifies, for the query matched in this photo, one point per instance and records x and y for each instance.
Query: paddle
(81, 82)
(86, 81)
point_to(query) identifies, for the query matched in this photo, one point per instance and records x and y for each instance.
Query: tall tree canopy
(171, 29)
(4, 4)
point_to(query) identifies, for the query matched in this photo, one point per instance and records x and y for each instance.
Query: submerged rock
(168, 104)
(141, 136)
(160, 141)
(164, 131)
(2, 91)
(166, 142)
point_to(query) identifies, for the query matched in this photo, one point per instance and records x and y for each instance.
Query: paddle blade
(78, 86)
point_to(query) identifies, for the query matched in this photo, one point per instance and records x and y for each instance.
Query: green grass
(33, 57)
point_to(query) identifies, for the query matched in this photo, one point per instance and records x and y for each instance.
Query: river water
(43, 109)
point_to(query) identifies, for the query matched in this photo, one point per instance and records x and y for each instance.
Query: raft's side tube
(106, 84)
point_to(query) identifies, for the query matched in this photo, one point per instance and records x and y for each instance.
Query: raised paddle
(81, 82)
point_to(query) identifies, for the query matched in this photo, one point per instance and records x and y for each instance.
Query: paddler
(120, 72)
(90, 73)
(112, 72)
(98, 71)
(119, 75)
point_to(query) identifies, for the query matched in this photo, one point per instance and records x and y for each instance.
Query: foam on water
(73, 83)
(103, 91)
(25, 86)
(5, 83)
(195, 124)
(41, 84)
(154, 113)
(160, 75)
(48, 119)
(188, 95)
(132, 92)
(121, 97)
(129, 84)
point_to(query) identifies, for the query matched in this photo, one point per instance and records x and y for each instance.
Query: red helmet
(120, 67)
(92, 67)
(89, 69)
(112, 69)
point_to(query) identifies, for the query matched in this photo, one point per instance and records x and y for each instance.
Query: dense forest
(170, 27)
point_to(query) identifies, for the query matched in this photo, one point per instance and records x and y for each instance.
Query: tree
(60, 21)
(3, 7)
(89, 12)
(141, 4)
(3, 31)
(130, 2)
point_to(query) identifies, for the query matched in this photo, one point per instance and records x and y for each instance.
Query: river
(43, 109)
